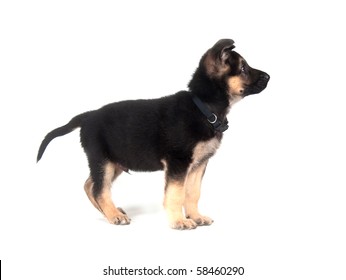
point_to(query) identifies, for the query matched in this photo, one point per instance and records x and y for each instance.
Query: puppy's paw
(121, 210)
(201, 220)
(184, 224)
(120, 219)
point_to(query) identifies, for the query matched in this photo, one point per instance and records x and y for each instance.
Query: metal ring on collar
(213, 121)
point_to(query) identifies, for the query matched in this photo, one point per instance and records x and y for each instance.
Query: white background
(276, 187)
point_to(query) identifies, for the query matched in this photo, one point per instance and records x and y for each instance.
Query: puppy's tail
(60, 131)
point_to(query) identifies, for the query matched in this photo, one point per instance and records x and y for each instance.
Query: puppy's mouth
(257, 86)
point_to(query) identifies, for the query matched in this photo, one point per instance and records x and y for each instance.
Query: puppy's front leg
(174, 200)
(192, 195)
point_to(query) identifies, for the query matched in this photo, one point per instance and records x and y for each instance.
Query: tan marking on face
(104, 202)
(235, 85)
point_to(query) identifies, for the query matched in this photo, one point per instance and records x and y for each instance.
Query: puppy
(176, 133)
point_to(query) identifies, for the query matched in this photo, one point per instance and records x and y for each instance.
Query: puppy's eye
(242, 69)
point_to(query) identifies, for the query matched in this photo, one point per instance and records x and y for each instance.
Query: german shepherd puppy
(176, 133)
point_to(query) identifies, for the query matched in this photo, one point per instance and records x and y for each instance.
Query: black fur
(140, 134)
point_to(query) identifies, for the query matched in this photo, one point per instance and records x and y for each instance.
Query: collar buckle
(214, 118)
(219, 126)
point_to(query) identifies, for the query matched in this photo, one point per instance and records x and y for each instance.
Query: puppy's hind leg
(98, 189)
(88, 187)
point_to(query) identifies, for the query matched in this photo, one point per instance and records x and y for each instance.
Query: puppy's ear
(216, 58)
(221, 50)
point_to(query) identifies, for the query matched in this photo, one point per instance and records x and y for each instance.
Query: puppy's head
(228, 71)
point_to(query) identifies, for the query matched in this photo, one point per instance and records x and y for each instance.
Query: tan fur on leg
(104, 202)
(88, 187)
(174, 199)
(192, 195)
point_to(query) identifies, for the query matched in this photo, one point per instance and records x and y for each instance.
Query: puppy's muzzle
(262, 81)
(259, 85)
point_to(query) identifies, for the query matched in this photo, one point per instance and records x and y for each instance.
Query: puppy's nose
(265, 76)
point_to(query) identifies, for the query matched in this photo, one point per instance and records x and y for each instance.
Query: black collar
(212, 118)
